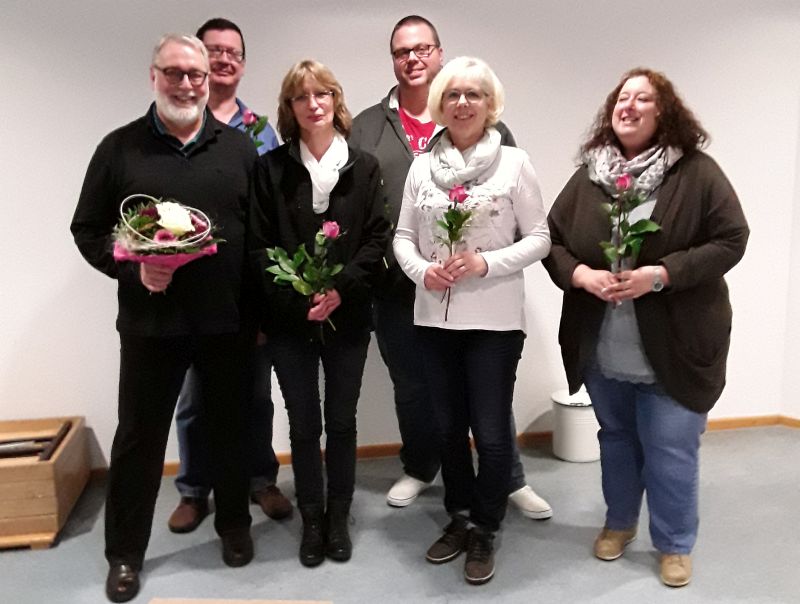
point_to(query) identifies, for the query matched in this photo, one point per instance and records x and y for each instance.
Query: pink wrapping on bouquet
(172, 261)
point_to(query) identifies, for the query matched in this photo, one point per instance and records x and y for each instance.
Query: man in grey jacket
(395, 130)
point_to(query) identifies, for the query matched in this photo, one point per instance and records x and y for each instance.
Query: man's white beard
(180, 116)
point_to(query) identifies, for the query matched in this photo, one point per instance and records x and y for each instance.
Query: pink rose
(163, 236)
(198, 224)
(624, 182)
(330, 229)
(249, 118)
(458, 194)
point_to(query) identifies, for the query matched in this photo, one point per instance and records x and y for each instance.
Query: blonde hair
(473, 69)
(291, 86)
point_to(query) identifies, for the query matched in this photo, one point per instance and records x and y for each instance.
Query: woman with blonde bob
(316, 177)
(469, 297)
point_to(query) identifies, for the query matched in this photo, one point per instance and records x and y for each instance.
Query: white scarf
(325, 172)
(449, 167)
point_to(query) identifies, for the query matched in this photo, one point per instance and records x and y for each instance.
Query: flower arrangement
(254, 125)
(454, 221)
(308, 274)
(627, 241)
(167, 233)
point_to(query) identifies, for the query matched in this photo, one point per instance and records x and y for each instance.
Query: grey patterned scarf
(606, 164)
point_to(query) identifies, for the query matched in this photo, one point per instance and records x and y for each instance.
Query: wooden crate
(36, 497)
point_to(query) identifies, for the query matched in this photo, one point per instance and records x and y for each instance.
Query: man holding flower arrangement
(172, 318)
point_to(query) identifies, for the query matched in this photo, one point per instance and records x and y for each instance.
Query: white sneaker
(405, 491)
(530, 504)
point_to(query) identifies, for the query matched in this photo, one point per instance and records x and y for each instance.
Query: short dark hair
(221, 24)
(413, 20)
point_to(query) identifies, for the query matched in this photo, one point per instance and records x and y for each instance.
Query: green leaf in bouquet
(303, 287)
(644, 226)
(635, 245)
(610, 253)
(337, 268)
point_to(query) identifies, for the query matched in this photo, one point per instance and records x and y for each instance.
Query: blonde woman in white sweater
(469, 296)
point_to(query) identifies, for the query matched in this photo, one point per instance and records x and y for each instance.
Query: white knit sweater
(508, 228)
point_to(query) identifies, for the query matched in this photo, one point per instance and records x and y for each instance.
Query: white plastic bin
(574, 427)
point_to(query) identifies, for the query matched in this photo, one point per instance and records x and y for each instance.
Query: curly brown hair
(293, 82)
(677, 125)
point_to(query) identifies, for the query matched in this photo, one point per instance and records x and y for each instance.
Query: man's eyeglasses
(452, 97)
(319, 97)
(216, 52)
(421, 51)
(175, 76)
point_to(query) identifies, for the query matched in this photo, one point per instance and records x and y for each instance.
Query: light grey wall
(76, 70)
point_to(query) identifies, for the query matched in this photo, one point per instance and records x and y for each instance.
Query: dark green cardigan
(685, 329)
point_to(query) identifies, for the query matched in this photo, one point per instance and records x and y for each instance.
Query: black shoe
(312, 545)
(338, 545)
(451, 544)
(122, 583)
(237, 547)
(479, 566)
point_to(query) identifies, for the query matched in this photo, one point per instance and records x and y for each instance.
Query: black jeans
(471, 375)
(151, 373)
(296, 361)
(398, 343)
(194, 475)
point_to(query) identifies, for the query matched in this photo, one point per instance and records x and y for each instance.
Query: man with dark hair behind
(227, 57)
(395, 130)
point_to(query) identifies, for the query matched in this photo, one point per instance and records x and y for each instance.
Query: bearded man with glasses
(395, 131)
(172, 319)
(226, 50)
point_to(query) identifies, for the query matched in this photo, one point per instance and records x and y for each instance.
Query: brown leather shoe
(273, 502)
(610, 544)
(188, 515)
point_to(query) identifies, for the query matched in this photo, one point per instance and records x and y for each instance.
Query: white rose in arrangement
(174, 217)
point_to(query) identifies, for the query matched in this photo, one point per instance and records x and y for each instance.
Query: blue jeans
(648, 443)
(471, 376)
(297, 361)
(399, 344)
(193, 478)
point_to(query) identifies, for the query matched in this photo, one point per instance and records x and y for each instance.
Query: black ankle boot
(312, 545)
(338, 546)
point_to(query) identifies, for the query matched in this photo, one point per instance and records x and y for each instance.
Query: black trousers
(471, 375)
(152, 370)
(296, 361)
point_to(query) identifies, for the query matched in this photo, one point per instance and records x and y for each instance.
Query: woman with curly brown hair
(649, 338)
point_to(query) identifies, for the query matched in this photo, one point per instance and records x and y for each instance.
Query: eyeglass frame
(216, 51)
(184, 74)
(327, 95)
(449, 99)
(402, 55)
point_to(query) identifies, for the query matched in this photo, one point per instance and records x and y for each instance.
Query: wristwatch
(658, 284)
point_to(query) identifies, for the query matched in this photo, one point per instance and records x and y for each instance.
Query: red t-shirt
(418, 133)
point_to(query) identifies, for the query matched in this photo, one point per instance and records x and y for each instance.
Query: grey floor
(748, 550)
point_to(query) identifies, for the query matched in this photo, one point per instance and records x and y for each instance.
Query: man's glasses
(421, 51)
(319, 97)
(452, 97)
(175, 76)
(216, 52)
